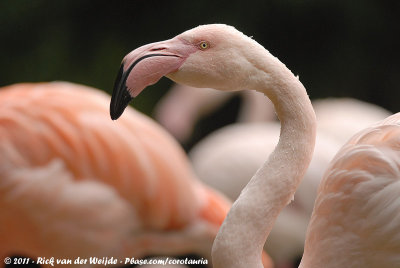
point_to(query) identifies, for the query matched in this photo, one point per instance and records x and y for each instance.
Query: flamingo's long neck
(245, 230)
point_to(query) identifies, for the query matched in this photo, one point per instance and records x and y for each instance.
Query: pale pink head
(206, 56)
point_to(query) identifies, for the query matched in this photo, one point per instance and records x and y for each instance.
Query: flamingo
(74, 183)
(355, 221)
(195, 103)
(334, 120)
(182, 106)
(226, 158)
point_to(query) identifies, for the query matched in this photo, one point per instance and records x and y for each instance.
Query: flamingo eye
(204, 45)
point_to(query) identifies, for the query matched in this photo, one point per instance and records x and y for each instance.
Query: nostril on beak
(157, 49)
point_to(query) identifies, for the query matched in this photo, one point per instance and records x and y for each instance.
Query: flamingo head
(213, 56)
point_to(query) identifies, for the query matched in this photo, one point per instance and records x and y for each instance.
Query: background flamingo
(74, 183)
(203, 57)
(180, 109)
(183, 106)
(341, 118)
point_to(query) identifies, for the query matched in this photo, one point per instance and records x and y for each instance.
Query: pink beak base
(144, 66)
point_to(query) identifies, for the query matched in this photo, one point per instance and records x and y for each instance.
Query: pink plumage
(75, 183)
(357, 210)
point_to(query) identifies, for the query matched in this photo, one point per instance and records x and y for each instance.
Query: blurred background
(338, 48)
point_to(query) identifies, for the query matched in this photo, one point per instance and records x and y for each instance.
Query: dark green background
(339, 48)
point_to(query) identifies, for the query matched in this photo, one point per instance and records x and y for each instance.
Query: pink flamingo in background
(180, 109)
(341, 118)
(355, 221)
(74, 183)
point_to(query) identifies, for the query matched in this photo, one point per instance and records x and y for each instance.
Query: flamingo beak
(144, 66)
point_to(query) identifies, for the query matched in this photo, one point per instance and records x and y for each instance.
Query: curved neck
(241, 238)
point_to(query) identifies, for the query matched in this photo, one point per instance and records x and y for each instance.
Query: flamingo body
(74, 183)
(357, 210)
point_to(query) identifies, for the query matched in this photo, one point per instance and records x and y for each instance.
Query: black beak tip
(119, 103)
(116, 113)
(120, 97)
